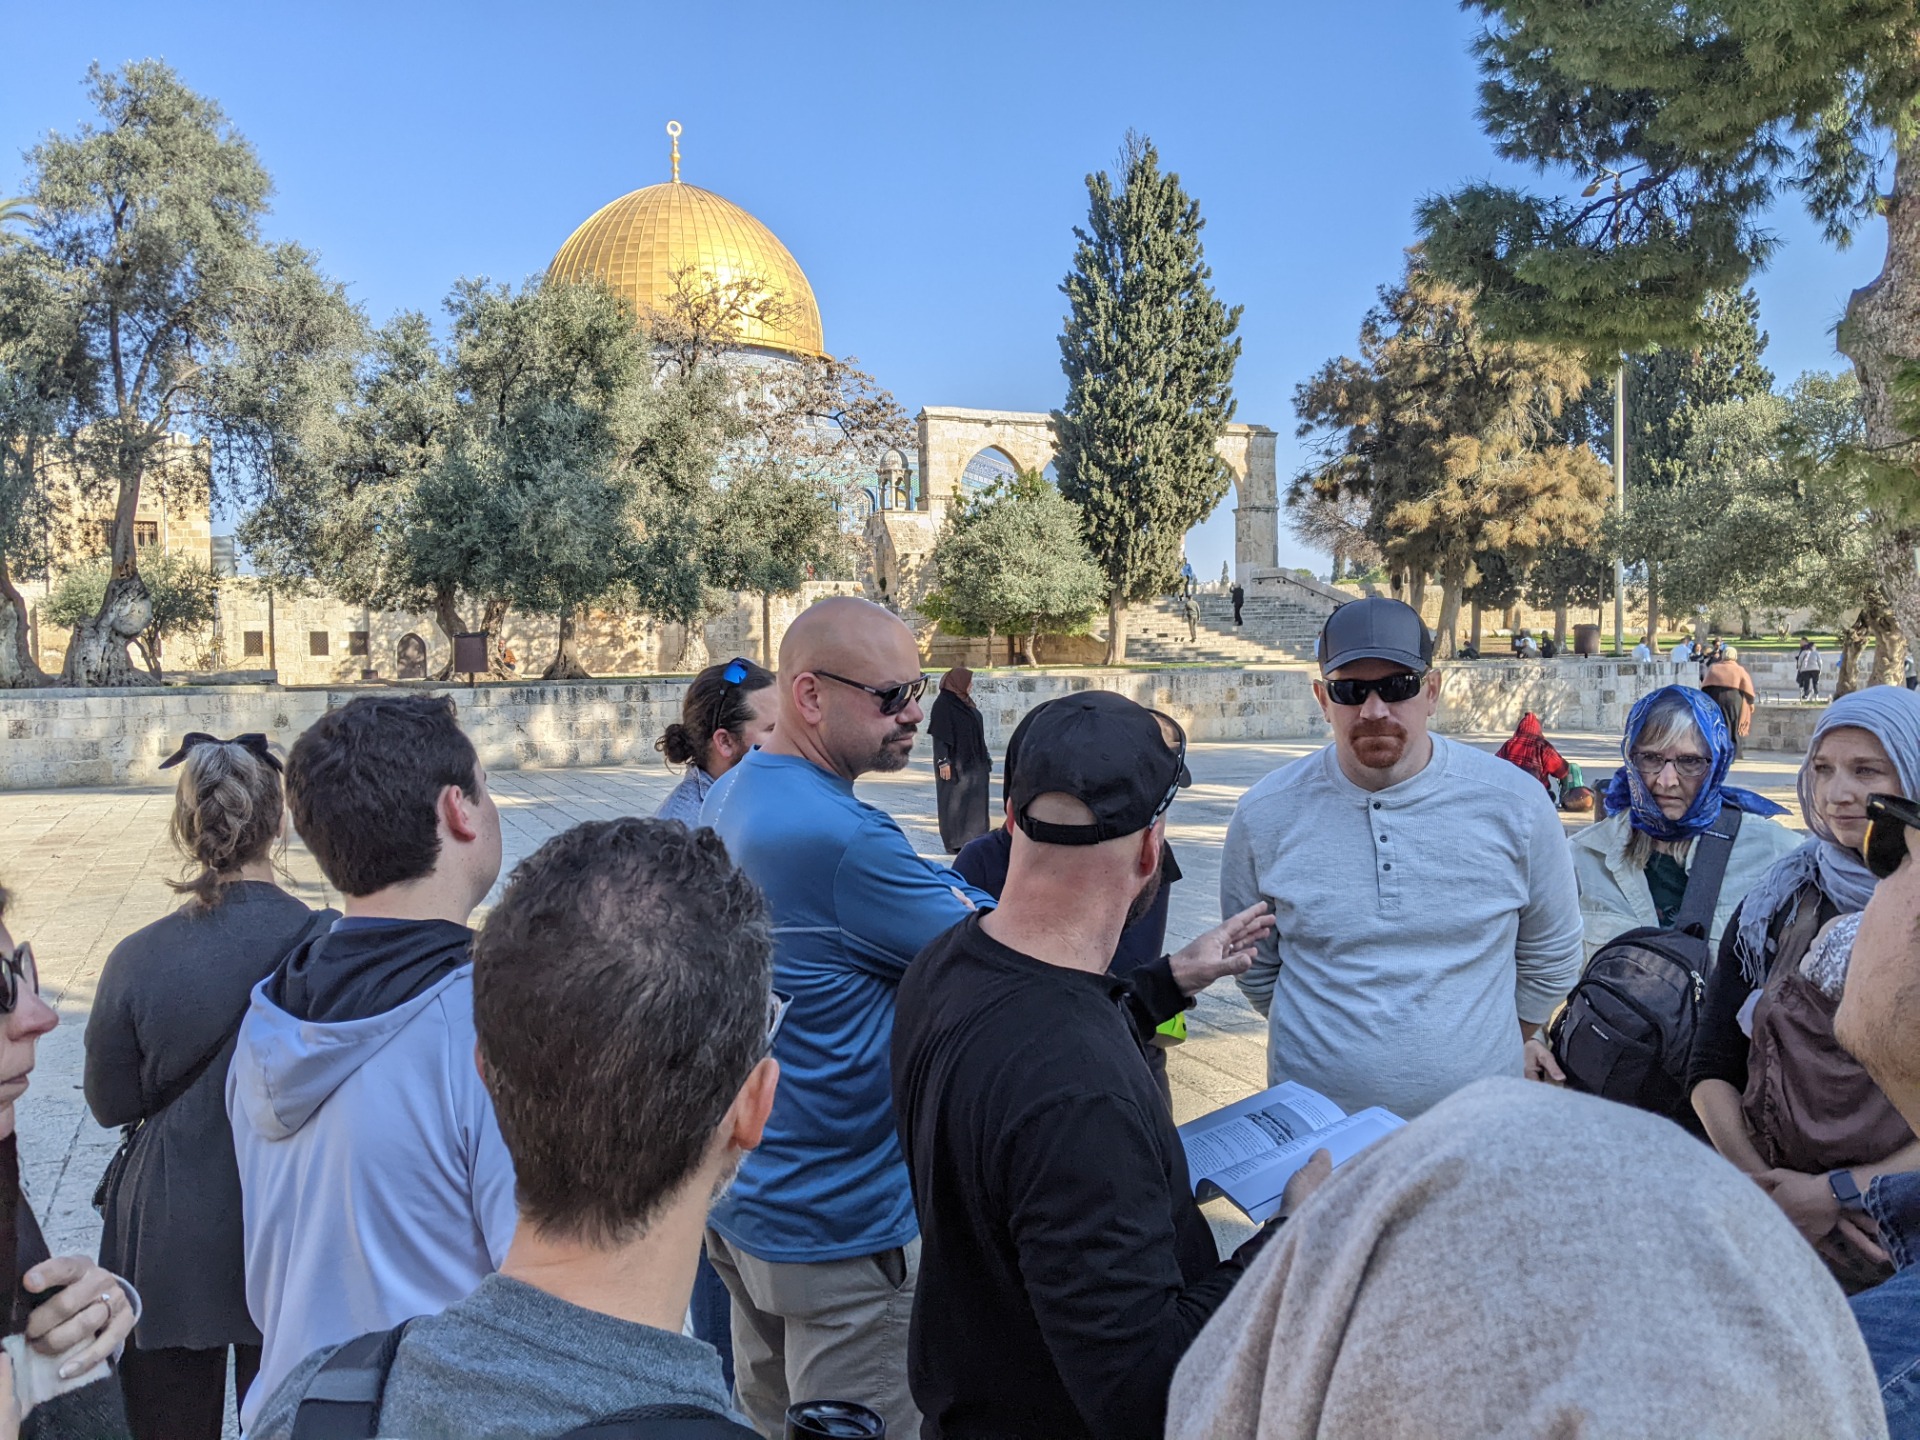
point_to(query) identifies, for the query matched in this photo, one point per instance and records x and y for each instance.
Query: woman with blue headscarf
(1776, 1093)
(1632, 866)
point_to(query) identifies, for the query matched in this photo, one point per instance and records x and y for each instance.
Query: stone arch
(950, 437)
(410, 657)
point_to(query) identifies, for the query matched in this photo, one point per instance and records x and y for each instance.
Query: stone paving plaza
(87, 867)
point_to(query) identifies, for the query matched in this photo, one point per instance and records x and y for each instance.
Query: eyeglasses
(777, 1007)
(1688, 767)
(893, 698)
(16, 970)
(1888, 817)
(1176, 739)
(1394, 689)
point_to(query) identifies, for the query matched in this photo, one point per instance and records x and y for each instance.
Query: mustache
(1385, 729)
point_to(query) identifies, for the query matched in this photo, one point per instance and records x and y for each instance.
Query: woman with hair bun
(159, 1039)
(728, 710)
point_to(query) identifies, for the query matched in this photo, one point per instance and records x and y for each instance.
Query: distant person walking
(1192, 612)
(1729, 686)
(1643, 652)
(962, 766)
(1806, 669)
(1239, 598)
(1187, 578)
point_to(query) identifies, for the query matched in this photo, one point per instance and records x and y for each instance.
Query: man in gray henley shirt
(1424, 893)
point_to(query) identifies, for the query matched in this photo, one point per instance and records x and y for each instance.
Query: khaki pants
(832, 1331)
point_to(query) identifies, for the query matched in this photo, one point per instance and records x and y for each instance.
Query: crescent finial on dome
(673, 129)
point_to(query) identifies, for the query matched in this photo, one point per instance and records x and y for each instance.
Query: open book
(1249, 1150)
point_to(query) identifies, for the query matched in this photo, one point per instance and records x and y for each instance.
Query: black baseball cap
(1376, 628)
(1122, 761)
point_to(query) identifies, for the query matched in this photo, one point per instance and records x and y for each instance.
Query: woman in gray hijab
(1777, 1094)
(1522, 1262)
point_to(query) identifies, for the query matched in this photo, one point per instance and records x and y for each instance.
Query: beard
(1149, 892)
(892, 752)
(1378, 744)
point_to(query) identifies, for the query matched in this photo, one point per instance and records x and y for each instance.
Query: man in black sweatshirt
(1065, 1267)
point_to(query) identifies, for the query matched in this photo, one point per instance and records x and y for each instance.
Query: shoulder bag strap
(343, 1398)
(664, 1422)
(1710, 857)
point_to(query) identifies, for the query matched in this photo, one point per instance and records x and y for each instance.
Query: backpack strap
(343, 1398)
(663, 1422)
(1710, 856)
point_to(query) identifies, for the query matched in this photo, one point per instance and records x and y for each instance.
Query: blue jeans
(1889, 1314)
(712, 1311)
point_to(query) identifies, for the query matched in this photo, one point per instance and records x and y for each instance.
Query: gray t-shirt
(515, 1363)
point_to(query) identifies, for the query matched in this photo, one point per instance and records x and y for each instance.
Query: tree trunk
(97, 650)
(1452, 582)
(1880, 333)
(566, 655)
(766, 629)
(493, 615)
(1475, 637)
(1560, 622)
(1027, 641)
(1853, 640)
(18, 671)
(1653, 603)
(1116, 628)
(447, 616)
(1417, 590)
(1339, 565)
(1889, 644)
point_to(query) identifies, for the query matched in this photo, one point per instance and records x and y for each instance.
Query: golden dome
(640, 242)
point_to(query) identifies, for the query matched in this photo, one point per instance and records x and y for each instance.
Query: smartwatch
(1840, 1182)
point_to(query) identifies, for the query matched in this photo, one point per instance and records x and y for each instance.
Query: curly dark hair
(364, 782)
(620, 995)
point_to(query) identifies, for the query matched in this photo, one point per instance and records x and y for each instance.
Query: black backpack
(1625, 1031)
(343, 1403)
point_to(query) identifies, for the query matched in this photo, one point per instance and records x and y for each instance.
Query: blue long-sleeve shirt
(852, 905)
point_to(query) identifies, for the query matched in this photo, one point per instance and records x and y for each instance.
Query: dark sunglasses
(1888, 817)
(17, 970)
(893, 698)
(1394, 689)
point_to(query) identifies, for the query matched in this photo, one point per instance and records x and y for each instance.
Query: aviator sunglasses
(893, 698)
(1888, 817)
(1394, 689)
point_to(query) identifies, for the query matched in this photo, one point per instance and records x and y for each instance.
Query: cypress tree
(1149, 353)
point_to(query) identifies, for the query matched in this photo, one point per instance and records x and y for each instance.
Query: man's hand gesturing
(1227, 949)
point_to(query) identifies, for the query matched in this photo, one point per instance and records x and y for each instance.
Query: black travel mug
(833, 1420)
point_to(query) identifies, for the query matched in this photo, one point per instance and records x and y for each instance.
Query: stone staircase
(1276, 631)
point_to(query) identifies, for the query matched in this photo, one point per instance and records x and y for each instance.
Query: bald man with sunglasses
(1426, 917)
(817, 1241)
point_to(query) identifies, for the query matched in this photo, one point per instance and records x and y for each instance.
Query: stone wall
(64, 737)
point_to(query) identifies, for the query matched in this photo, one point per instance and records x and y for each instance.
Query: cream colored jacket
(1614, 897)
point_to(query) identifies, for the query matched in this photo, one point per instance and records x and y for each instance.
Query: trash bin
(1586, 639)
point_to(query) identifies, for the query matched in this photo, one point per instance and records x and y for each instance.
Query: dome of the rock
(641, 242)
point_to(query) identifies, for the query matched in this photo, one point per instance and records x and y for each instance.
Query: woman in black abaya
(961, 765)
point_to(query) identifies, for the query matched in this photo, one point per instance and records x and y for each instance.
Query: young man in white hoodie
(374, 1182)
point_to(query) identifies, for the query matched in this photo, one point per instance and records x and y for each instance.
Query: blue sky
(924, 164)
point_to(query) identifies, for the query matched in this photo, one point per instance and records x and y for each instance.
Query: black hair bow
(253, 742)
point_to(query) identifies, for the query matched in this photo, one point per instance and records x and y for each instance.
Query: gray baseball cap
(1374, 629)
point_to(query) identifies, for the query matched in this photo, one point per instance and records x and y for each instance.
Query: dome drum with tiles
(642, 243)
